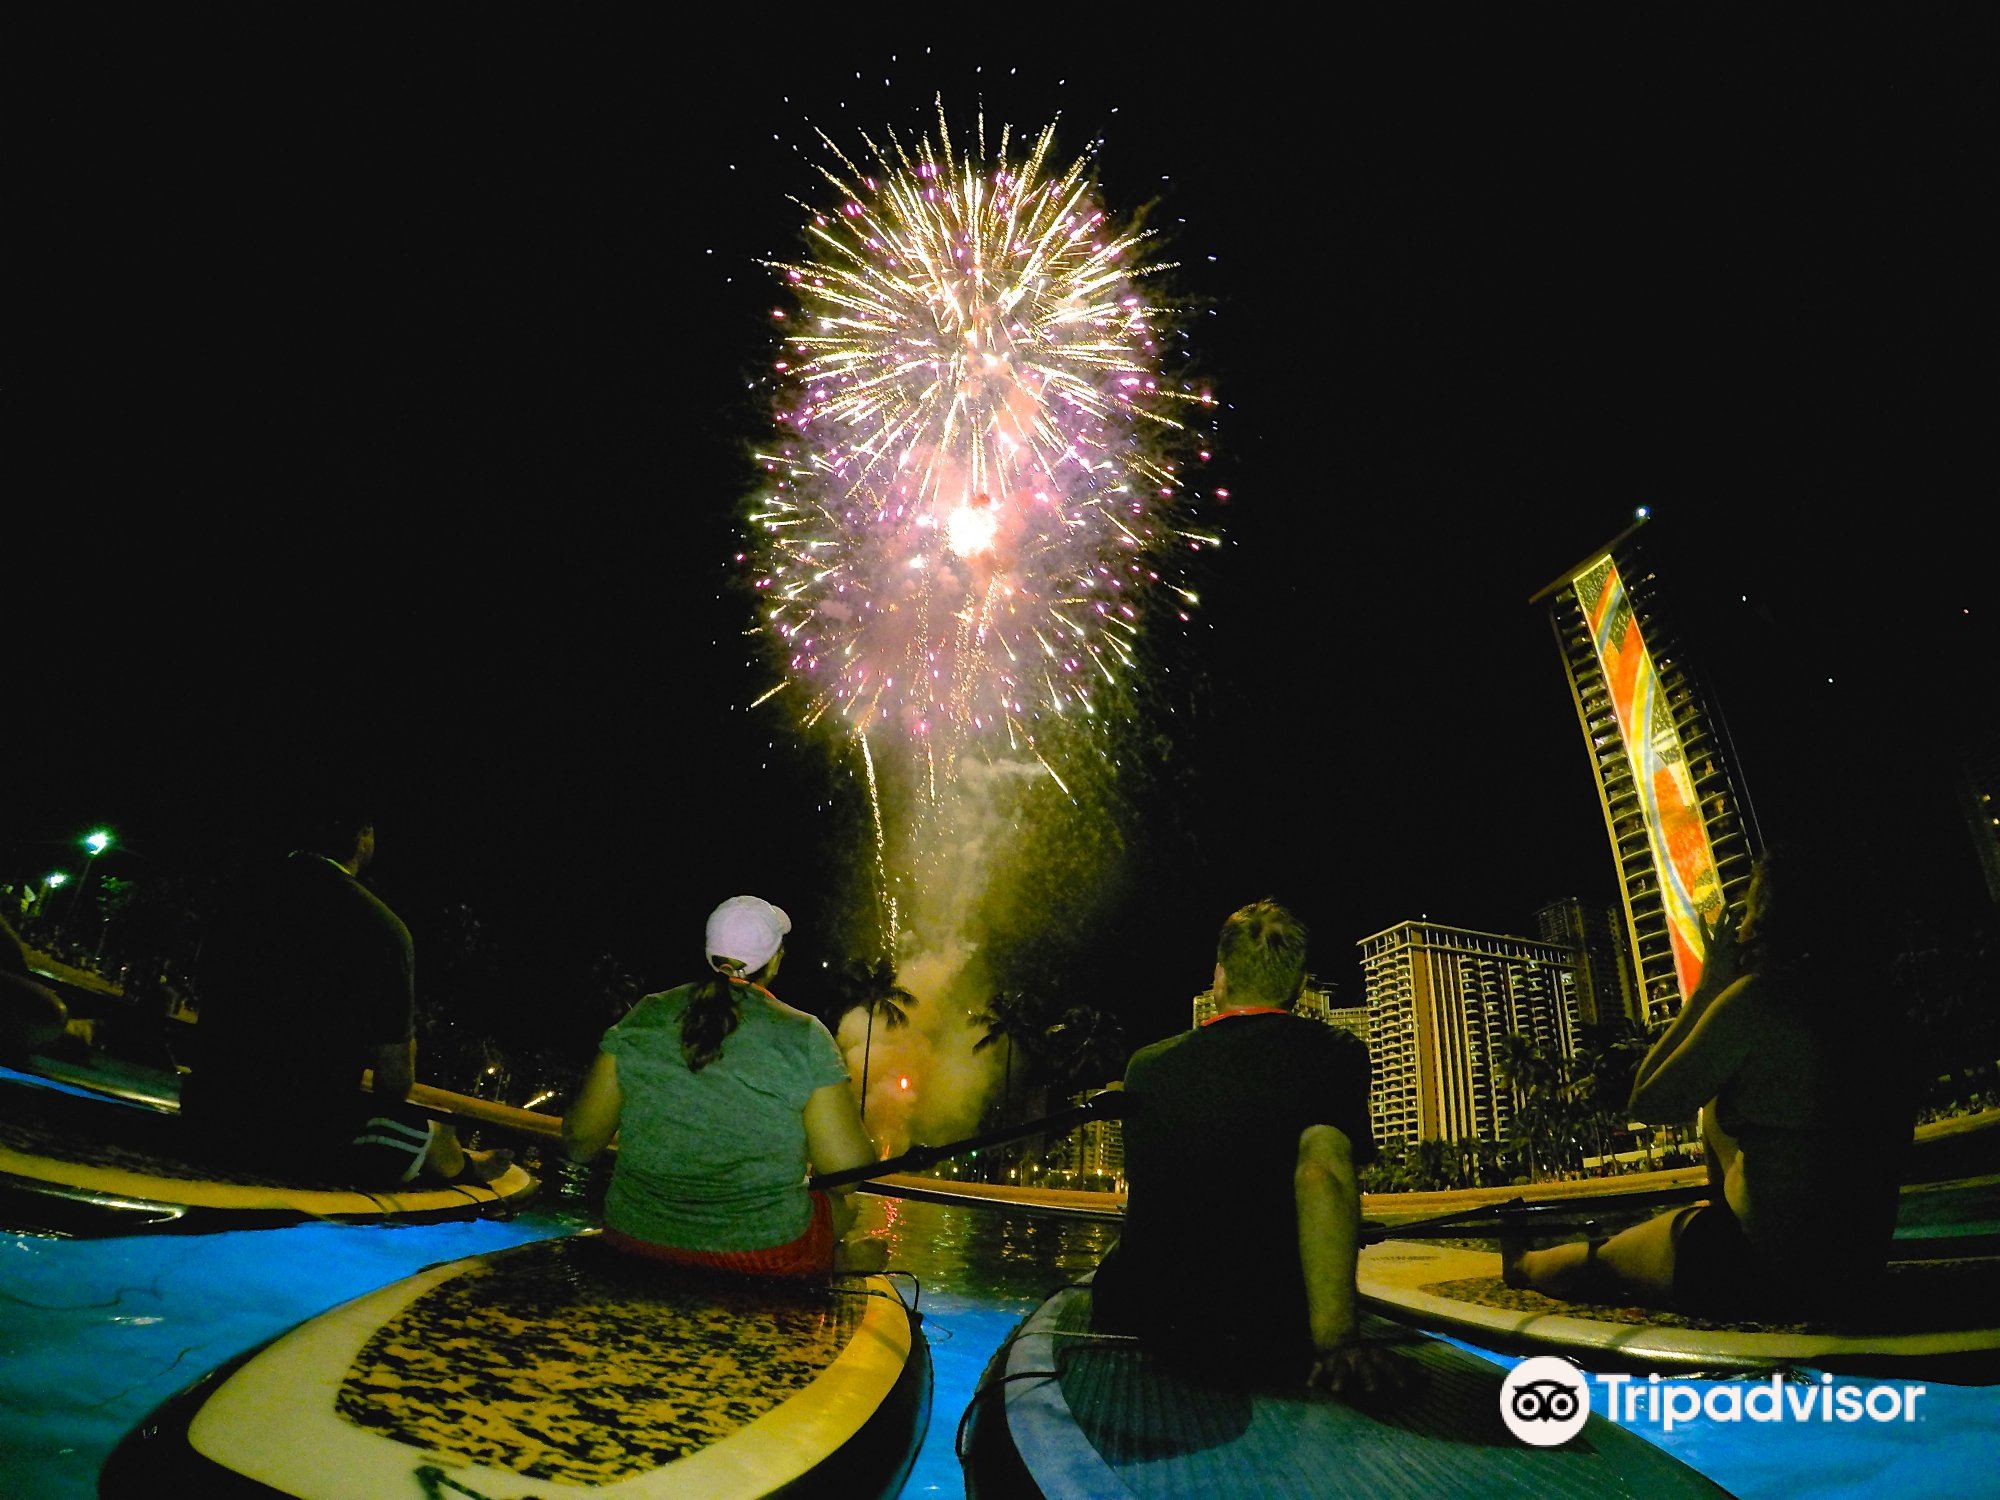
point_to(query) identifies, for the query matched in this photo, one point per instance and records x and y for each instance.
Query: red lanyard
(1247, 1010)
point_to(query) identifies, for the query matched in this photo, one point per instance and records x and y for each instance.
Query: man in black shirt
(1241, 1142)
(304, 983)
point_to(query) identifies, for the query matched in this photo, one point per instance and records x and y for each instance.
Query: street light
(54, 880)
(96, 842)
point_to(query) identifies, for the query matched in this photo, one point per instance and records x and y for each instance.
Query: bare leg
(1634, 1265)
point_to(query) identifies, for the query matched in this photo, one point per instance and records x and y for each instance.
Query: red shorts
(811, 1254)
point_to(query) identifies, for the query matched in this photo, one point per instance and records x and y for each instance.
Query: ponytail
(711, 1015)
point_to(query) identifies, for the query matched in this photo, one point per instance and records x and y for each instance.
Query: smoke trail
(966, 851)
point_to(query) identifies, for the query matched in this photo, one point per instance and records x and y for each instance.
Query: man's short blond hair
(1263, 951)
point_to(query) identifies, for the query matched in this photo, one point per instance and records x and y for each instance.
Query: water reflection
(981, 1272)
(986, 1255)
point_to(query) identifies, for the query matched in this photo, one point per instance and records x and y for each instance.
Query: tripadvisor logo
(1545, 1401)
(1773, 1399)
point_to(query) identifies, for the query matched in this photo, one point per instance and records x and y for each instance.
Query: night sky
(389, 399)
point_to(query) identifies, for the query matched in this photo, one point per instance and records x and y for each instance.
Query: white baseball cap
(747, 929)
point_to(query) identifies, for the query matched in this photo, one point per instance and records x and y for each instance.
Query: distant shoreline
(1389, 1206)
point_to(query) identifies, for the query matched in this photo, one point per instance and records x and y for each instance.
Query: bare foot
(1513, 1251)
(484, 1166)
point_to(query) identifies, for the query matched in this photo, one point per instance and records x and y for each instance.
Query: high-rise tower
(1978, 788)
(1439, 1001)
(1606, 987)
(1680, 832)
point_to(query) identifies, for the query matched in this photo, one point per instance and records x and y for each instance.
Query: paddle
(462, 1109)
(1553, 1216)
(1106, 1105)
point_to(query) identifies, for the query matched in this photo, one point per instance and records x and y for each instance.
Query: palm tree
(872, 987)
(1090, 1046)
(1534, 1074)
(1608, 1054)
(614, 988)
(1008, 1017)
(1429, 1165)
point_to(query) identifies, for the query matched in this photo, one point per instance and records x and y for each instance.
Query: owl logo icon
(1545, 1401)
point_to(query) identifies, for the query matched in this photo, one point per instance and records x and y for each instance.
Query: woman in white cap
(726, 1099)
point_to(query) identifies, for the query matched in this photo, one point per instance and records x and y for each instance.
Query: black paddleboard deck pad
(556, 1369)
(1065, 1412)
(1936, 1319)
(93, 1166)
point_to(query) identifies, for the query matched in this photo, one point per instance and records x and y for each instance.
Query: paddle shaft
(1097, 1106)
(1557, 1216)
(463, 1109)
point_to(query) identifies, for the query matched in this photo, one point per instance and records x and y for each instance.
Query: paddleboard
(131, 1083)
(85, 1166)
(1962, 1215)
(104, 1078)
(1938, 1318)
(557, 1368)
(1065, 1412)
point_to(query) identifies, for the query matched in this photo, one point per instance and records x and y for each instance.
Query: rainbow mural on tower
(1690, 886)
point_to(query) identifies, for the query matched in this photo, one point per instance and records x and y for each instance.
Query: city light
(56, 878)
(97, 841)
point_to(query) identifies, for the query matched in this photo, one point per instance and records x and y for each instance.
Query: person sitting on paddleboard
(1788, 1052)
(722, 1099)
(307, 982)
(1242, 1138)
(32, 1017)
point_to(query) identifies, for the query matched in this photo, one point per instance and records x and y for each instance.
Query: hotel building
(1605, 985)
(1093, 1153)
(1439, 1001)
(1680, 830)
(1978, 788)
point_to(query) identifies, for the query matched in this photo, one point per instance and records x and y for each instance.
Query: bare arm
(1720, 969)
(1329, 1207)
(1689, 1065)
(592, 1120)
(835, 1139)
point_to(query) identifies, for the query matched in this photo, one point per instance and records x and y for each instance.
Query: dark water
(982, 1271)
(94, 1334)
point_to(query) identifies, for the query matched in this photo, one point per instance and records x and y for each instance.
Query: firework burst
(974, 507)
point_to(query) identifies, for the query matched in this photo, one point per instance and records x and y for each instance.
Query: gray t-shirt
(716, 1160)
